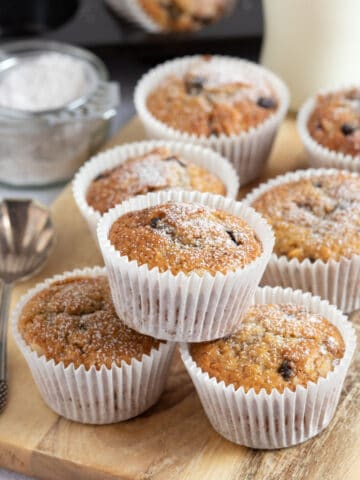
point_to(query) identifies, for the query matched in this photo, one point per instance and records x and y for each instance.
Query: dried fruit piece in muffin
(335, 121)
(316, 217)
(210, 100)
(276, 347)
(185, 237)
(156, 170)
(74, 321)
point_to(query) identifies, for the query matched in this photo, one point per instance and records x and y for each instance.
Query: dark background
(127, 51)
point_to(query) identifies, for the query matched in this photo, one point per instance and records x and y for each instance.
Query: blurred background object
(312, 45)
(172, 15)
(127, 50)
(56, 107)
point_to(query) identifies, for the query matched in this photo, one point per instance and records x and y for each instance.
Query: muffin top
(335, 121)
(74, 321)
(314, 218)
(156, 170)
(180, 15)
(210, 100)
(277, 346)
(185, 237)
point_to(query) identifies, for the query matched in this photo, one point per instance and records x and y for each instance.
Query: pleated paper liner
(247, 151)
(336, 281)
(275, 420)
(182, 307)
(107, 395)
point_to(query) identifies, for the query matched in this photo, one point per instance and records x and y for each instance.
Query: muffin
(185, 237)
(84, 359)
(329, 125)
(205, 101)
(276, 347)
(74, 321)
(335, 121)
(171, 15)
(277, 380)
(229, 104)
(156, 170)
(183, 265)
(180, 15)
(315, 215)
(138, 168)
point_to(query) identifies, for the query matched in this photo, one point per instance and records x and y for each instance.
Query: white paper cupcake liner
(320, 156)
(249, 150)
(132, 11)
(182, 307)
(94, 396)
(335, 281)
(204, 157)
(275, 420)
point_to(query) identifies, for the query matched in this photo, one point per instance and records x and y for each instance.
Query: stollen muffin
(205, 101)
(86, 363)
(155, 170)
(185, 237)
(315, 215)
(335, 121)
(183, 265)
(276, 381)
(277, 346)
(74, 321)
(329, 126)
(141, 167)
(231, 105)
(171, 15)
(180, 15)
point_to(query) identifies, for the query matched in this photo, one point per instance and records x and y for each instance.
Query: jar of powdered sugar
(56, 107)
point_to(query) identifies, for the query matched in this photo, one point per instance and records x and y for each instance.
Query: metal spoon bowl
(26, 239)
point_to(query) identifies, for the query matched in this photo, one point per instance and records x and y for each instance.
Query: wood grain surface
(173, 440)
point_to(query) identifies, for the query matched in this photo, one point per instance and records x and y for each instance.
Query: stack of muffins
(183, 261)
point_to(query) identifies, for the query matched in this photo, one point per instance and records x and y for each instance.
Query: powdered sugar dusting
(185, 237)
(317, 217)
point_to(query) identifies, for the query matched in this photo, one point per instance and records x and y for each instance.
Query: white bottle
(312, 44)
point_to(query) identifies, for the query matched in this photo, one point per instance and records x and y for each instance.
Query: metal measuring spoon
(26, 237)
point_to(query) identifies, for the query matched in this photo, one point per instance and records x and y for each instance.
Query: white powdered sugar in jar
(46, 82)
(56, 106)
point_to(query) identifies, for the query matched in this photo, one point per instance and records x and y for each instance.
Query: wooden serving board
(173, 440)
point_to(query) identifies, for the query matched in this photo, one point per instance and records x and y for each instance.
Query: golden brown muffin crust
(335, 121)
(151, 172)
(206, 102)
(182, 15)
(74, 321)
(314, 218)
(277, 346)
(184, 237)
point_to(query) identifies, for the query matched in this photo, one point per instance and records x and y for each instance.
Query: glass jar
(47, 147)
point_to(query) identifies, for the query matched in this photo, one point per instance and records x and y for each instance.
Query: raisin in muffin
(276, 347)
(182, 15)
(74, 321)
(207, 100)
(156, 170)
(335, 121)
(314, 217)
(185, 237)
